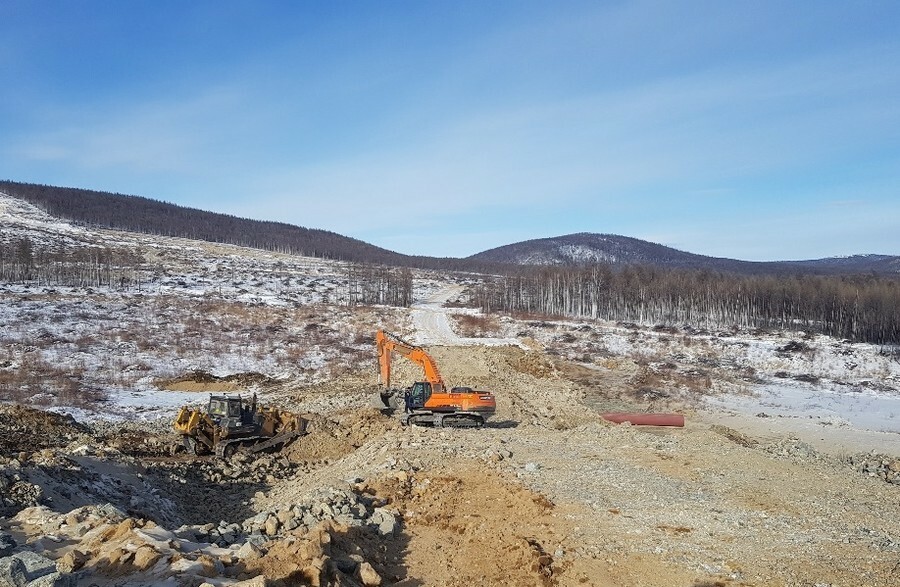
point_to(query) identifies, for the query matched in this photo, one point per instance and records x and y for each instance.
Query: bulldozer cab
(418, 394)
(232, 409)
(224, 407)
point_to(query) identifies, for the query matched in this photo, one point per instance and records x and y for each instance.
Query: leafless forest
(862, 308)
(857, 307)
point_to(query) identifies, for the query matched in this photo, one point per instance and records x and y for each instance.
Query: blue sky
(753, 130)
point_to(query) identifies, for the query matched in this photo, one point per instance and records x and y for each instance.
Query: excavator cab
(417, 395)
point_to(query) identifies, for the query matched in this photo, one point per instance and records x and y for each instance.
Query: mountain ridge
(585, 248)
(147, 215)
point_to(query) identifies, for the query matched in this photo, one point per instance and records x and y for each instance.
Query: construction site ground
(548, 494)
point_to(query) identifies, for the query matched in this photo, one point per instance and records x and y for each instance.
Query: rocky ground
(549, 494)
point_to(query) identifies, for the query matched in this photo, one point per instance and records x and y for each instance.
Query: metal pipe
(638, 419)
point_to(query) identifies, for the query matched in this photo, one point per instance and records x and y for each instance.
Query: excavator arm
(387, 344)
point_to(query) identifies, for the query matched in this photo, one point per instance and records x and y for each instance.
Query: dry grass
(33, 379)
(97, 342)
(477, 325)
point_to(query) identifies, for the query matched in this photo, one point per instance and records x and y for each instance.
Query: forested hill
(586, 249)
(139, 214)
(145, 215)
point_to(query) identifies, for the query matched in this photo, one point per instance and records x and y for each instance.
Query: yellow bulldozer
(230, 424)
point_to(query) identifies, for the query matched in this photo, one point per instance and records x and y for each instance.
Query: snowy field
(196, 307)
(779, 374)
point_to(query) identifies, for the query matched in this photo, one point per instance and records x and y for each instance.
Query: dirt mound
(198, 381)
(470, 526)
(533, 363)
(25, 429)
(338, 435)
(205, 382)
(249, 379)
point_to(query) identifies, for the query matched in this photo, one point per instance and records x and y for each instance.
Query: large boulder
(24, 567)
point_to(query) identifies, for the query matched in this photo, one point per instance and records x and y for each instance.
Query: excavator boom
(388, 343)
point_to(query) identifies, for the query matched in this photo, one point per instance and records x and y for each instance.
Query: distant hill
(145, 215)
(881, 264)
(588, 248)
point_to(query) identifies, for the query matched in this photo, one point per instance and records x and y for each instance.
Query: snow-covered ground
(781, 374)
(431, 320)
(866, 410)
(218, 309)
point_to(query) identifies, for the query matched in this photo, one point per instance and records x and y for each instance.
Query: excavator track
(461, 421)
(443, 420)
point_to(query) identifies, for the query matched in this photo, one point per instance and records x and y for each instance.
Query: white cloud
(683, 133)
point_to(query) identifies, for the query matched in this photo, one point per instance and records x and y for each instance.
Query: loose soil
(547, 494)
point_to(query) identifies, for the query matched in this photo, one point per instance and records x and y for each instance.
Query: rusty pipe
(638, 419)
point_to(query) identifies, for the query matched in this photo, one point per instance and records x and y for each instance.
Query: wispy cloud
(156, 135)
(629, 118)
(676, 135)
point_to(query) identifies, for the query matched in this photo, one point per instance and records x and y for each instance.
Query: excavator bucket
(387, 400)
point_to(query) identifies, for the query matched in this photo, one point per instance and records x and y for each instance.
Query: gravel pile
(877, 465)
(15, 492)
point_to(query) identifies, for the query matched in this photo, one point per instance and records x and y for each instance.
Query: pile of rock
(15, 491)
(28, 429)
(795, 449)
(240, 469)
(102, 540)
(154, 438)
(345, 508)
(877, 465)
(30, 569)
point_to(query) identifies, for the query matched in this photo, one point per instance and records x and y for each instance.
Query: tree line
(22, 262)
(371, 285)
(861, 308)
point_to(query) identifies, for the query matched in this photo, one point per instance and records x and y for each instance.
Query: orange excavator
(429, 403)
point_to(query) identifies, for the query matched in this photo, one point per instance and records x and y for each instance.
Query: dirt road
(432, 322)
